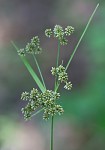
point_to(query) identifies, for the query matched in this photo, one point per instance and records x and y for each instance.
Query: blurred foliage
(85, 103)
(7, 128)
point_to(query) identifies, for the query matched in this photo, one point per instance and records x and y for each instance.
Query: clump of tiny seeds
(62, 76)
(31, 48)
(46, 100)
(60, 33)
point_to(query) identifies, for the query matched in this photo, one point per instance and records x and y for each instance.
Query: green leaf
(31, 71)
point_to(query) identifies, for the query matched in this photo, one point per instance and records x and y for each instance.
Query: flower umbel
(60, 33)
(46, 100)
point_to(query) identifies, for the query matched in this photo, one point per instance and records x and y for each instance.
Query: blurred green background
(82, 127)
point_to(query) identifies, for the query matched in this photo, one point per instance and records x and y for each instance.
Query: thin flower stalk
(39, 70)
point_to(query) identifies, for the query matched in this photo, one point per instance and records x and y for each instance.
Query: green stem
(71, 57)
(39, 70)
(58, 54)
(52, 129)
(52, 119)
(57, 61)
(37, 112)
(57, 86)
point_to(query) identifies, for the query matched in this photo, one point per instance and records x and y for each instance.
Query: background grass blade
(31, 71)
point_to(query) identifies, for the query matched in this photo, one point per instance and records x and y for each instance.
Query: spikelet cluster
(60, 33)
(36, 100)
(62, 76)
(33, 47)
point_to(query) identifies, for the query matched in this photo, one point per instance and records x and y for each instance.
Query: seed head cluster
(68, 85)
(37, 100)
(60, 33)
(21, 52)
(62, 76)
(32, 48)
(69, 30)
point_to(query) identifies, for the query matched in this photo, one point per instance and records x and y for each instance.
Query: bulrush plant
(43, 99)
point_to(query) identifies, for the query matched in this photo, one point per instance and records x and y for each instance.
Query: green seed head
(68, 86)
(63, 41)
(21, 52)
(48, 32)
(54, 71)
(30, 48)
(35, 41)
(58, 31)
(63, 77)
(69, 30)
(25, 96)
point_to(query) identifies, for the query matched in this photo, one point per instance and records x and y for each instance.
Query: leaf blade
(31, 71)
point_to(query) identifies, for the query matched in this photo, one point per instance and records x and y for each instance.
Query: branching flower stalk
(44, 100)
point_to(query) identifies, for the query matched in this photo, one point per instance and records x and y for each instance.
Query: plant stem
(39, 70)
(37, 112)
(57, 86)
(57, 61)
(91, 17)
(52, 119)
(58, 54)
(52, 130)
